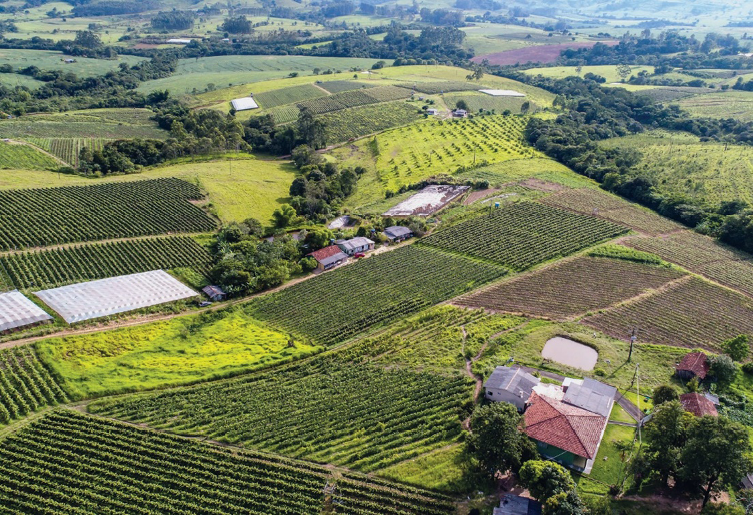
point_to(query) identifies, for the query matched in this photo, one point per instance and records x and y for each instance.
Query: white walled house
(510, 384)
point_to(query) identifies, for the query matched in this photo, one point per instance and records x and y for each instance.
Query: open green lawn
(226, 71)
(620, 415)
(167, 352)
(609, 465)
(680, 163)
(607, 71)
(51, 60)
(441, 470)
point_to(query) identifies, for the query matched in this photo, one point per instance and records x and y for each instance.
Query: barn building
(397, 233)
(693, 364)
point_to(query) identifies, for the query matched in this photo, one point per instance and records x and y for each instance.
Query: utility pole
(633, 337)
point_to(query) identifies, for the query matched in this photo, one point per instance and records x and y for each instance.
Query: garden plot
(427, 201)
(84, 301)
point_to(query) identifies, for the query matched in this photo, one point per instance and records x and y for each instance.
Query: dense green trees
(553, 485)
(664, 393)
(174, 20)
(738, 347)
(237, 25)
(496, 440)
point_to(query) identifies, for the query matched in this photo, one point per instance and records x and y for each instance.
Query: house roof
(356, 242)
(328, 254)
(591, 395)
(397, 231)
(695, 362)
(212, 290)
(698, 405)
(516, 505)
(566, 427)
(513, 380)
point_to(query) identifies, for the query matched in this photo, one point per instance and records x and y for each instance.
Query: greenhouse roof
(18, 311)
(94, 299)
(243, 104)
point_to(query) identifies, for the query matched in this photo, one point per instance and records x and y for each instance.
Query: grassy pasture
(607, 71)
(20, 156)
(167, 352)
(11, 80)
(52, 60)
(727, 104)
(541, 168)
(227, 71)
(477, 101)
(97, 123)
(680, 163)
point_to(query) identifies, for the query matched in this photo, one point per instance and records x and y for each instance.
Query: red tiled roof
(564, 426)
(695, 362)
(325, 252)
(698, 405)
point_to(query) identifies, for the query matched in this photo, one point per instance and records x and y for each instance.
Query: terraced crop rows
(690, 313)
(347, 301)
(67, 462)
(441, 86)
(25, 384)
(360, 121)
(68, 149)
(283, 96)
(52, 216)
(338, 86)
(283, 114)
(24, 157)
(572, 288)
(522, 234)
(56, 267)
(337, 102)
(326, 410)
(702, 255)
(612, 208)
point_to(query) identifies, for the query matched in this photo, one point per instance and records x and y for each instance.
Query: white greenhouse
(18, 311)
(94, 299)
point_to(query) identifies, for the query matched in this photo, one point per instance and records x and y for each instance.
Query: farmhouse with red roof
(698, 405)
(328, 257)
(693, 364)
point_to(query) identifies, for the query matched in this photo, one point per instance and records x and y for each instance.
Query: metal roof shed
(18, 311)
(244, 104)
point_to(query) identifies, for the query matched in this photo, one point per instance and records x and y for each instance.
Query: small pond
(570, 353)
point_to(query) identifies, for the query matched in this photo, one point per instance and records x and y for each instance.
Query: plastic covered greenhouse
(18, 311)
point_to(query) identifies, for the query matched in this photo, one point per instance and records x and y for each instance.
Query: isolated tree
(461, 104)
(723, 369)
(737, 348)
(237, 25)
(716, 455)
(253, 227)
(664, 393)
(318, 238)
(545, 479)
(496, 440)
(666, 434)
(87, 39)
(623, 70)
(565, 503)
(525, 107)
(283, 215)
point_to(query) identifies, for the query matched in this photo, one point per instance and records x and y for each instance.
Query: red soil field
(534, 54)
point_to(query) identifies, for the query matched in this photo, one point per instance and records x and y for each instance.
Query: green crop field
(97, 124)
(442, 86)
(51, 60)
(522, 234)
(224, 71)
(65, 265)
(290, 95)
(325, 410)
(338, 86)
(573, 287)
(68, 149)
(679, 163)
(110, 466)
(725, 104)
(347, 301)
(613, 208)
(360, 121)
(407, 155)
(338, 101)
(702, 255)
(25, 384)
(50, 216)
(680, 316)
(167, 353)
(283, 114)
(11, 80)
(20, 156)
(607, 71)
(541, 169)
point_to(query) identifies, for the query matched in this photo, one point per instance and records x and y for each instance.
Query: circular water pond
(570, 353)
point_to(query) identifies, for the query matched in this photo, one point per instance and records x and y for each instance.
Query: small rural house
(328, 257)
(698, 405)
(397, 233)
(693, 364)
(747, 481)
(69, 61)
(354, 245)
(568, 422)
(215, 293)
(460, 113)
(510, 384)
(516, 505)
(432, 111)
